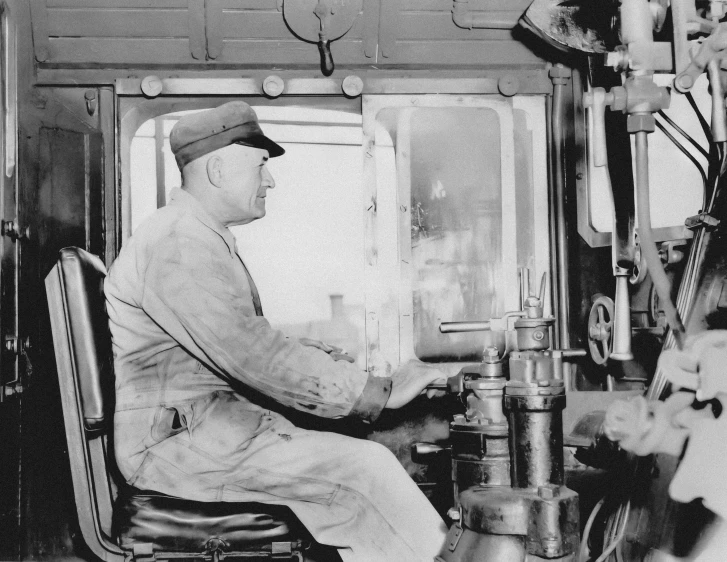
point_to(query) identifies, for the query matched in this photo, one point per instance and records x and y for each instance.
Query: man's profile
(193, 352)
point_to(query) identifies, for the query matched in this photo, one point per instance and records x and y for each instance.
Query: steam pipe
(621, 334)
(554, 300)
(719, 122)
(462, 17)
(456, 327)
(648, 245)
(560, 77)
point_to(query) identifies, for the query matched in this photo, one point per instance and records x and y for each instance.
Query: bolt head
(508, 85)
(352, 86)
(549, 491)
(273, 86)
(684, 82)
(152, 86)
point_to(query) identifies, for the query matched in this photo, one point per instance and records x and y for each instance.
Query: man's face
(245, 182)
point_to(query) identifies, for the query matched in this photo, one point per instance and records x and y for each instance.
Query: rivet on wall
(273, 86)
(352, 86)
(508, 85)
(151, 86)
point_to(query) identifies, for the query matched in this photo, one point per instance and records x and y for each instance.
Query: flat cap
(206, 131)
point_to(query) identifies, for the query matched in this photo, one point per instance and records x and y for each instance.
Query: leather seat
(172, 524)
(145, 524)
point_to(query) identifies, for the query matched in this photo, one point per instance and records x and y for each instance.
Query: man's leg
(349, 493)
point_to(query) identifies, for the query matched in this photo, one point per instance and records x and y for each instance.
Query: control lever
(597, 99)
(495, 324)
(323, 12)
(424, 453)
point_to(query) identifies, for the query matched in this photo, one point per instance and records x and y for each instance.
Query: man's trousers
(349, 493)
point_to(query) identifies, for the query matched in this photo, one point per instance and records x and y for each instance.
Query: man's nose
(268, 180)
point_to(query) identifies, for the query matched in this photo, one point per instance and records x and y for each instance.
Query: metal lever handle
(324, 48)
(597, 99)
(474, 326)
(424, 453)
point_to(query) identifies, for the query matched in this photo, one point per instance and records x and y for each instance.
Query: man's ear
(214, 171)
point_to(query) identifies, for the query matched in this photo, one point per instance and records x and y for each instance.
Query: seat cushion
(177, 525)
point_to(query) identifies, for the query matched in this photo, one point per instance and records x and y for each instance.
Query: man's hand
(410, 380)
(319, 344)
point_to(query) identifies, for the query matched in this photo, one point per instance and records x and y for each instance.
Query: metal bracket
(389, 19)
(702, 219)
(213, 28)
(91, 101)
(371, 27)
(143, 552)
(197, 46)
(13, 231)
(455, 533)
(281, 550)
(15, 345)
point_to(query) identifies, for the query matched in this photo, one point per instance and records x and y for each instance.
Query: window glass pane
(456, 226)
(306, 255)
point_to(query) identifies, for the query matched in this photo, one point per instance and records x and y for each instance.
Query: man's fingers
(336, 356)
(319, 344)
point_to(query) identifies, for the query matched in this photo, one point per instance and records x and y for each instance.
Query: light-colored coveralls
(182, 310)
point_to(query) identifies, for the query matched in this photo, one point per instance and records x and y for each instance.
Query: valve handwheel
(600, 329)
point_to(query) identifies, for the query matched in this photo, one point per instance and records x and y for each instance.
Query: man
(194, 355)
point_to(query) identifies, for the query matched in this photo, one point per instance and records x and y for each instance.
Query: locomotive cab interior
(526, 194)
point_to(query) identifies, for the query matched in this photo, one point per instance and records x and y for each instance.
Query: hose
(702, 120)
(683, 133)
(687, 154)
(587, 530)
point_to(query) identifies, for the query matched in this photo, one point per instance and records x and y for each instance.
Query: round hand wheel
(600, 324)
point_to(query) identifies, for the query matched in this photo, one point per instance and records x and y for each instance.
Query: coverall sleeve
(191, 290)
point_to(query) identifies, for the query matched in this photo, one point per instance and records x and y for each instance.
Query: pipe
(560, 229)
(719, 124)
(680, 14)
(621, 333)
(462, 17)
(554, 297)
(456, 327)
(536, 439)
(648, 245)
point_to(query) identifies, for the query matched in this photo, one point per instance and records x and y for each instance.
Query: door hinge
(15, 345)
(13, 231)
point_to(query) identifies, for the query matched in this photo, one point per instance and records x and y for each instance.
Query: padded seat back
(83, 359)
(83, 275)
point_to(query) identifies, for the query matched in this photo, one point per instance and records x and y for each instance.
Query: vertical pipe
(536, 440)
(621, 332)
(561, 234)
(554, 297)
(719, 125)
(159, 159)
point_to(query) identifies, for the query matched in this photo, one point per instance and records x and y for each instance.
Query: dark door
(65, 158)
